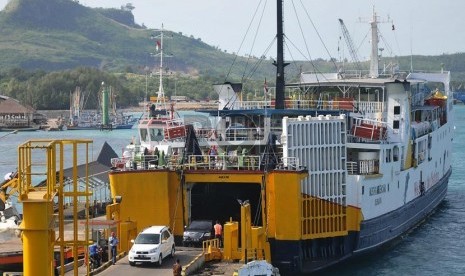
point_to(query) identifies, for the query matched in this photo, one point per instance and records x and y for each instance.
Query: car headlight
(153, 250)
(132, 250)
(207, 234)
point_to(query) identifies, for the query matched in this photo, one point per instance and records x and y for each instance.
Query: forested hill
(62, 34)
(50, 47)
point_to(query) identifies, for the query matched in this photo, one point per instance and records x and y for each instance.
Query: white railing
(242, 133)
(322, 104)
(290, 163)
(233, 161)
(363, 167)
(141, 162)
(370, 107)
(223, 162)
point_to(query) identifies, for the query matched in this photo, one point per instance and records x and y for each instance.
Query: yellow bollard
(231, 241)
(246, 231)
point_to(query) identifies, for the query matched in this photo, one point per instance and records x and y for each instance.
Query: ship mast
(280, 64)
(374, 47)
(160, 103)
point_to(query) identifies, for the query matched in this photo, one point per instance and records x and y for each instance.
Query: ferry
(333, 166)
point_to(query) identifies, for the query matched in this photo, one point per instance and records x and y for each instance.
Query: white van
(152, 245)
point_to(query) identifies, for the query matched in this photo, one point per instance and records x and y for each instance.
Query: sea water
(117, 139)
(437, 247)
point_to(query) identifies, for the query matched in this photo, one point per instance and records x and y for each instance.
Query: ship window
(396, 153)
(397, 110)
(156, 134)
(395, 124)
(363, 190)
(388, 155)
(143, 135)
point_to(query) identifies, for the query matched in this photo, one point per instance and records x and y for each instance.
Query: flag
(266, 91)
(158, 45)
(265, 88)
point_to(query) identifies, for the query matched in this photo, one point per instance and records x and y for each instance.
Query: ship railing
(120, 163)
(363, 167)
(147, 161)
(336, 104)
(358, 74)
(289, 163)
(256, 104)
(206, 134)
(223, 162)
(352, 167)
(370, 107)
(243, 133)
(174, 123)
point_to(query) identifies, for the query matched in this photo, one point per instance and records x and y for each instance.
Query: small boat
(9, 216)
(9, 222)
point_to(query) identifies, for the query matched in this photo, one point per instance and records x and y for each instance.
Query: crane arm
(350, 45)
(9, 187)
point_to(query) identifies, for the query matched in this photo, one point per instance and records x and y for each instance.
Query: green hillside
(62, 34)
(49, 47)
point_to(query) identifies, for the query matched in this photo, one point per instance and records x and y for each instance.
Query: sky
(422, 27)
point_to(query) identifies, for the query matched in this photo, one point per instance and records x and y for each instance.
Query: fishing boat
(333, 166)
(159, 121)
(106, 118)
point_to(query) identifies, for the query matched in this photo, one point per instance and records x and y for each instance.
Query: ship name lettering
(223, 177)
(378, 189)
(378, 201)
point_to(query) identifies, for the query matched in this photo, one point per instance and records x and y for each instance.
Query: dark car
(197, 232)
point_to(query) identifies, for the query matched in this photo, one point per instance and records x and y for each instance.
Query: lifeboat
(437, 99)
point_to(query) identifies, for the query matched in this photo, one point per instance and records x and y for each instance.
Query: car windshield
(200, 225)
(147, 239)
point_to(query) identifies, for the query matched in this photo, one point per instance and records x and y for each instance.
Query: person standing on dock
(177, 268)
(218, 231)
(113, 242)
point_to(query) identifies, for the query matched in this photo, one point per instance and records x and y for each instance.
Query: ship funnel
(228, 95)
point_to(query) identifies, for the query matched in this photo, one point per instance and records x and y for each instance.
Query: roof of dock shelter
(97, 171)
(11, 106)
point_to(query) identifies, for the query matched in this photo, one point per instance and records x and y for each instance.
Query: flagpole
(265, 92)
(161, 93)
(160, 103)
